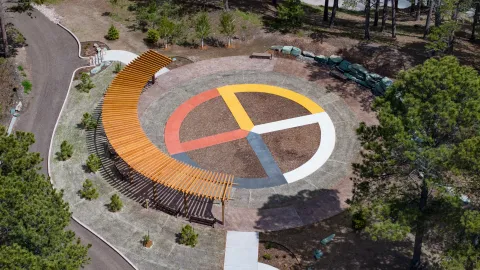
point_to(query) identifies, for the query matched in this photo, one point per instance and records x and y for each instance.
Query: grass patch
(20, 68)
(47, 2)
(27, 86)
(253, 18)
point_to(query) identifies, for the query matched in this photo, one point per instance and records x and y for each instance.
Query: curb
(51, 143)
(78, 41)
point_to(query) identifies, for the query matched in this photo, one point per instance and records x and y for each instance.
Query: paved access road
(52, 55)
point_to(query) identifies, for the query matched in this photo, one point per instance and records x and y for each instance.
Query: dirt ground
(348, 250)
(90, 20)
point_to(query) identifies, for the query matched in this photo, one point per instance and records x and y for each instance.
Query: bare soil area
(293, 147)
(209, 118)
(235, 157)
(348, 250)
(276, 255)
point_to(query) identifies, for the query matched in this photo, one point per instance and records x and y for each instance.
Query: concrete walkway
(125, 58)
(241, 251)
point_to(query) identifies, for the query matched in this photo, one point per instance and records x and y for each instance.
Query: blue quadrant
(264, 155)
(183, 157)
(275, 175)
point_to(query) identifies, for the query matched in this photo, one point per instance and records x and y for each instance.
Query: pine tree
(112, 33)
(202, 27)
(33, 214)
(227, 26)
(421, 157)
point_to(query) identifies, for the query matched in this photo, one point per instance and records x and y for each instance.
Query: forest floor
(256, 32)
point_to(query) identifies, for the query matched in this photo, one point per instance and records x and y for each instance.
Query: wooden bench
(169, 210)
(110, 151)
(204, 221)
(261, 55)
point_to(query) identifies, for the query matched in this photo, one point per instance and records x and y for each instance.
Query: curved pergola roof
(125, 134)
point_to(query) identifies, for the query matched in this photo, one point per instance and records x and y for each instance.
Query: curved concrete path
(52, 55)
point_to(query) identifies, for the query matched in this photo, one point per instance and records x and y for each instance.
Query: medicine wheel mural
(264, 135)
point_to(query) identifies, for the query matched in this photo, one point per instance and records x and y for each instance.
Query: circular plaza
(288, 142)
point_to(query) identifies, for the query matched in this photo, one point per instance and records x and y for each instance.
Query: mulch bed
(292, 147)
(265, 108)
(235, 157)
(209, 118)
(280, 257)
(89, 50)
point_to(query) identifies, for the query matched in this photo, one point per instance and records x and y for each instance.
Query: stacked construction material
(340, 68)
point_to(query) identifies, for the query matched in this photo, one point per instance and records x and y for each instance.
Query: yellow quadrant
(263, 88)
(237, 110)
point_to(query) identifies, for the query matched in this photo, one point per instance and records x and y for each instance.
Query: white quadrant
(327, 144)
(327, 141)
(286, 124)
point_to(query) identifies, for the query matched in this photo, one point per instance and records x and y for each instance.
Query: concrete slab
(241, 250)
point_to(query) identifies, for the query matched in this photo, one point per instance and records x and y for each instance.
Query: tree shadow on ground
(138, 187)
(321, 209)
(345, 89)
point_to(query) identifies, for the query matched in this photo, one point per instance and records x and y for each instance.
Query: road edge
(75, 37)
(51, 143)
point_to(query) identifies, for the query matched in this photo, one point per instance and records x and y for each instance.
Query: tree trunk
(429, 18)
(451, 39)
(4, 32)
(419, 9)
(377, 5)
(334, 11)
(202, 43)
(412, 6)
(394, 23)
(384, 15)
(367, 20)
(475, 20)
(325, 12)
(274, 2)
(420, 230)
(396, 5)
(438, 13)
(226, 6)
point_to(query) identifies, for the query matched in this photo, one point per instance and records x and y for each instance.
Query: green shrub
(20, 68)
(152, 36)
(115, 203)
(268, 245)
(291, 14)
(94, 163)
(88, 121)
(88, 192)
(188, 236)
(66, 151)
(27, 86)
(146, 239)
(118, 68)
(267, 256)
(113, 33)
(359, 220)
(86, 83)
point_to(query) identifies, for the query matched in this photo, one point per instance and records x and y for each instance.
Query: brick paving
(316, 197)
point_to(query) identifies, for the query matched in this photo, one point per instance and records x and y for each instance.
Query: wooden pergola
(126, 136)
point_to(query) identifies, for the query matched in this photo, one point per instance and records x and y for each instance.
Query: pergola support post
(153, 79)
(154, 193)
(185, 206)
(223, 212)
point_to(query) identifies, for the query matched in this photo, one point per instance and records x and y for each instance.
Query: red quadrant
(214, 140)
(172, 128)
